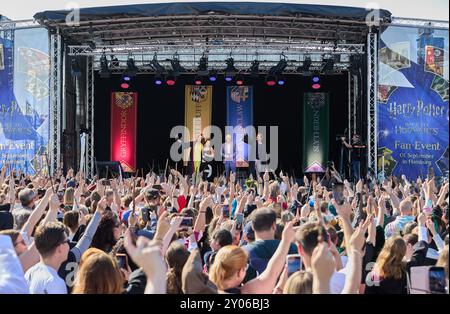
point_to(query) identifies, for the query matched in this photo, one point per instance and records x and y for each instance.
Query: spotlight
(230, 70)
(125, 85)
(126, 78)
(198, 81)
(271, 80)
(281, 80)
(328, 66)
(279, 68)
(104, 69)
(304, 69)
(155, 65)
(158, 79)
(240, 80)
(213, 76)
(114, 62)
(254, 69)
(202, 69)
(131, 68)
(176, 66)
(315, 79)
(171, 80)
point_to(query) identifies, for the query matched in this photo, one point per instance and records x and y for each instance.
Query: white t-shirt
(43, 279)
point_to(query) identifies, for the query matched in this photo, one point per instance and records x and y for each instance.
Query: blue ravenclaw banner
(240, 116)
(24, 99)
(413, 116)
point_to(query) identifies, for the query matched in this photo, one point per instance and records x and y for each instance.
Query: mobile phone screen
(294, 263)
(437, 279)
(338, 193)
(239, 221)
(187, 222)
(225, 210)
(145, 214)
(122, 260)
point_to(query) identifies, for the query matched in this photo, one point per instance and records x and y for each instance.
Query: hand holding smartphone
(293, 263)
(239, 221)
(338, 193)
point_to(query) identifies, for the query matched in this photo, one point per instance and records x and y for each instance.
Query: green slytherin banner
(316, 121)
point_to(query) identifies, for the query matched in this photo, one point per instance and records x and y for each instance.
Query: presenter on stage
(356, 149)
(207, 160)
(229, 155)
(198, 154)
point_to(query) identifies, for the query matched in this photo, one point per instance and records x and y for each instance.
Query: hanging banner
(316, 123)
(240, 116)
(123, 129)
(413, 99)
(197, 114)
(24, 99)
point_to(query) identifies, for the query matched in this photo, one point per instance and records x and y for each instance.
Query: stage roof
(134, 23)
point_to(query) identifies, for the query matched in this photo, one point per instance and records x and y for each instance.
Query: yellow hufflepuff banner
(197, 113)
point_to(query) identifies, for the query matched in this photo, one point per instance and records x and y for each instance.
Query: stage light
(104, 69)
(328, 66)
(230, 70)
(125, 85)
(155, 65)
(279, 68)
(240, 80)
(316, 86)
(271, 80)
(198, 81)
(126, 78)
(202, 69)
(171, 80)
(114, 62)
(213, 76)
(304, 68)
(177, 69)
(315, 79)
(158, 79)
(254, 69)
(132, 69)
(281, 80)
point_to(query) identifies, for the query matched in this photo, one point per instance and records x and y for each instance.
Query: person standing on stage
(207, 158)
(198, 152)
(356, 149)
(261, 157)
(229, 155)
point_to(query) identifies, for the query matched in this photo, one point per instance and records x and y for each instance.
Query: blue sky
(429, 9)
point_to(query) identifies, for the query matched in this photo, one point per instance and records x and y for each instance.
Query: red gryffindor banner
(123, 129)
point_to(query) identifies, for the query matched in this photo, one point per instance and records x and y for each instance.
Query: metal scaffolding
(55, 101)
(90, 167)
(372, 95)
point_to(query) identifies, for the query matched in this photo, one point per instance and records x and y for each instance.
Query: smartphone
(338, 193)
(294, 263)
(239, 221)
(145, 211)
(122, 260)
(436, 279)
(41, 192)
(187, 222)
(60, 195)
(225, 210)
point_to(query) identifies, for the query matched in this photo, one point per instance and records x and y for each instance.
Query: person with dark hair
(52, 244)
(265, 244)
(176, 256)
(70, 220)
(220, 238)
(108, 232)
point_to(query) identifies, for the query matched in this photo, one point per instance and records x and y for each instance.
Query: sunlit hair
(299, 282)
(69, 196)
(229, 260)
(443, 260)
(98, 274)
(389, 263)
(176, 256)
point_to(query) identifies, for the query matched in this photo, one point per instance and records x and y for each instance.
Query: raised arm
(36, 214)
(200, 222)
(265, 283)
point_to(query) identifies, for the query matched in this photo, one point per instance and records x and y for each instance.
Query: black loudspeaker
(110, 169)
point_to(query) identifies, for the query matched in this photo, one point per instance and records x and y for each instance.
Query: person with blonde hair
(300, 282)
(231, 263)
(98, 274)
(69, 199)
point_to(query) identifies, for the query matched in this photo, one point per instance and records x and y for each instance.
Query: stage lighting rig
(213, 76)
(104, 68)
(155, 65)
(176, 66)
(254, 69)
(279, 68)
(202, 69)
(304, 68)
(230, 70)
(328, 66)
(132, 69)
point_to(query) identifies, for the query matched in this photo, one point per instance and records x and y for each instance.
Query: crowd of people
(171, 234)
